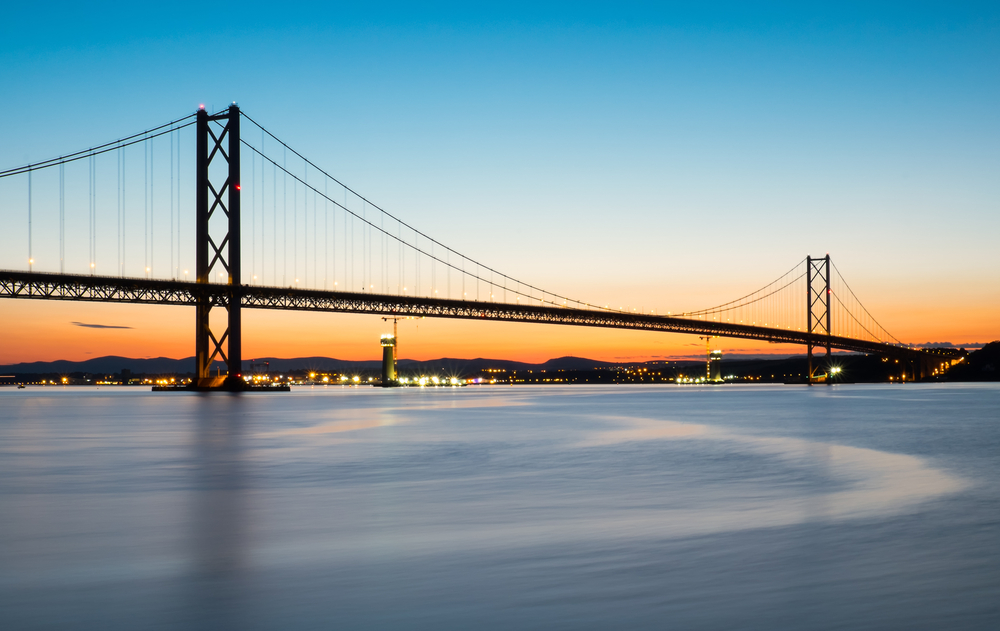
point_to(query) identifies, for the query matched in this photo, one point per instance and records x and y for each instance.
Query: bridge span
(44, 286)
(403, 271)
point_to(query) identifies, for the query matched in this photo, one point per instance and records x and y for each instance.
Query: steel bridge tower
(218, 253)
(818, 309)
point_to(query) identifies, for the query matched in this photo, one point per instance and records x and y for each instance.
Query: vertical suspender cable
(178, 203)
(145, 205)
(364, 248)
(314, 236)
(315, 242)
(62, 218)
(253, 218)
(124, 205)
(295, 229)
(351, 285)
(347, 282)
(383, 257)
(263, 215)
(326, 235)
(274, 220)
(371, 270)
(284, 228)
(152, 203)
(90, 214)
(93, 231)
(305, 230)
(173, 270)
(118, 210)
(333, 240)
(31, 259)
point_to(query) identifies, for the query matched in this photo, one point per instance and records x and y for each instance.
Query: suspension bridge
(312, 243)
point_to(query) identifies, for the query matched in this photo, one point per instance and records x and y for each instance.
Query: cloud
(950, 345)
(99, 326)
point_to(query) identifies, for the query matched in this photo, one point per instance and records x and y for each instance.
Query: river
(576, 507)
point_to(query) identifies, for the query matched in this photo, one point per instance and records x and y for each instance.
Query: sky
(666, 155)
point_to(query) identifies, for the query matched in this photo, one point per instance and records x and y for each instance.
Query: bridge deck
(46, 286)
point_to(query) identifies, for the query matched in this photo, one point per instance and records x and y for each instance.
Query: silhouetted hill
(109, 365)
(981, 365)
(164, 365)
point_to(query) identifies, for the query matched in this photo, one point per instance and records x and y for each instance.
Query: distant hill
(981, 365)
(110, 364)
(164, 365)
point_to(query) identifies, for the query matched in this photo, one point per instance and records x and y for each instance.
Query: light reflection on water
(576, 507)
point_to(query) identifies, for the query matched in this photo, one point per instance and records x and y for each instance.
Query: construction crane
(395, 337)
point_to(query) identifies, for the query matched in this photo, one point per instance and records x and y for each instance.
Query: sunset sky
(665, 155)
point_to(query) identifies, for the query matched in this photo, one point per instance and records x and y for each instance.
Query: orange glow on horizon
(43, 331)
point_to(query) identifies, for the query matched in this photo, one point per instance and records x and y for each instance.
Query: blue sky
(674, 153)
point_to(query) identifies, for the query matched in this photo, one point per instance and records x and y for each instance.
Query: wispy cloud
(950, 345)
(99, 326)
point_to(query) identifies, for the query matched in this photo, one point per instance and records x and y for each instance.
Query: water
(861, 507)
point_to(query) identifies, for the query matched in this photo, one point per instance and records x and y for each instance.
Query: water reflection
(865, 482)
(218, 522)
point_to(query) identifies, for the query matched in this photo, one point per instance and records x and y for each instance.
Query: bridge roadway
(47, 286)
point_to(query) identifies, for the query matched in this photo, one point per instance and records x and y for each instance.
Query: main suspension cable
(142, 136)
(403, 223)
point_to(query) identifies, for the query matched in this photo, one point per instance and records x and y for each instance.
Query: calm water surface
(847, 507)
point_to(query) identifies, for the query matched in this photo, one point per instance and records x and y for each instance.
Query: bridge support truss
(222, 202)
(818, 311)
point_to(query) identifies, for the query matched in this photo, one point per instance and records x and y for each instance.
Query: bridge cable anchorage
(555, 297)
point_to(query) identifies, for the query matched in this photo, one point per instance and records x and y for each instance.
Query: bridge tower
(222, 251)
(817, 309)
